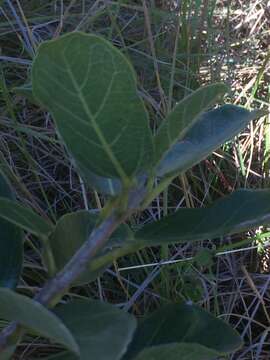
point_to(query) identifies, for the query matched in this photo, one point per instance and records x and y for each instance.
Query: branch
(78, 263)
(57, 286)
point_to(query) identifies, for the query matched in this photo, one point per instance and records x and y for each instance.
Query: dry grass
(226, 41)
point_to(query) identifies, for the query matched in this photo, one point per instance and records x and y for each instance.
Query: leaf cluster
(90, 89)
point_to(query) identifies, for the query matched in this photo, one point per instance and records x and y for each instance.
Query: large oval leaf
(211, 130)
(11, 244)
(183, 324)
(72, 230)
(108, 186)
(32, 315)
(184, 115)
(90, 88)
(102, 331)
(240, 211)
(24, 217)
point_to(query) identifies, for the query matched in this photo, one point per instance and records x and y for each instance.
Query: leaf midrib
(99, 134)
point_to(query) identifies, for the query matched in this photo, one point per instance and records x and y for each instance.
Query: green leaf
(182, 351)
(238, 212)
(24, 217)
(107, 186)
(184, 115)
(32, 315)
(212, 129)
(70, 233)
(11, 244)
(183, 324)
(94, 102)
(102, 331)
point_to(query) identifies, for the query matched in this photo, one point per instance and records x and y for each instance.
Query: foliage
(36, 317)
(11, 246)
(105, 127)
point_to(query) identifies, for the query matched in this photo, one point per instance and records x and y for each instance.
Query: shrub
(89, 87)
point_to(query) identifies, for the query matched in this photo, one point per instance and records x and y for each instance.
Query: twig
(57, 286)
